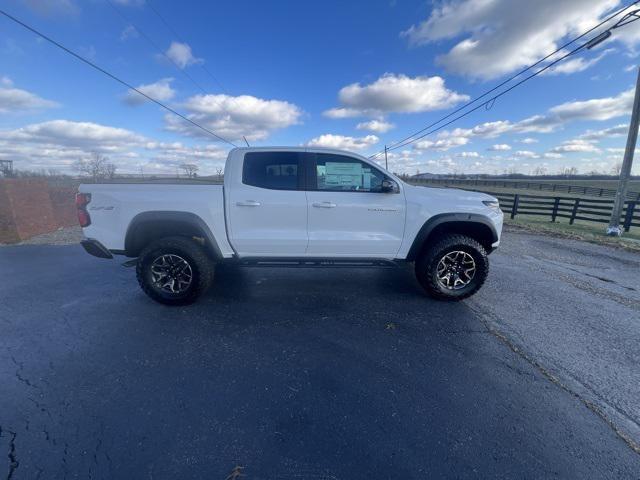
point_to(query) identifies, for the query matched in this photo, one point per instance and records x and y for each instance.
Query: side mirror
(388, 186)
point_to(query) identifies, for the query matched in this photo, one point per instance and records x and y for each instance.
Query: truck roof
(296, 149)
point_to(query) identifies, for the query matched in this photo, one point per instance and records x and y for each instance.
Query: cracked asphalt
(322, 374)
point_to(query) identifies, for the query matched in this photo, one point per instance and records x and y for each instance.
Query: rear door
(268, 207)
(349, 215)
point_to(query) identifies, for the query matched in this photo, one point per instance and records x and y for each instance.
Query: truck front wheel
(174, 270)
(453, 267)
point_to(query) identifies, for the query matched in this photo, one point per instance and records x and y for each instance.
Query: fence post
(628, 218)
(516, 201)
(600, 192)
(556, 204)
(575, 211)
(554, 187)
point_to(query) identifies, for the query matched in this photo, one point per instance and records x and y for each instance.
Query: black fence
(527, 185)
(585, 209)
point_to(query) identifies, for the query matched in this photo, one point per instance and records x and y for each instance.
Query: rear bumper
(95, 248)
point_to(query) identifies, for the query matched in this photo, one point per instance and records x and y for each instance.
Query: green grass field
(634, 186)
(587, 231)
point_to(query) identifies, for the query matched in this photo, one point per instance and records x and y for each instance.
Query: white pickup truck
(291, 206)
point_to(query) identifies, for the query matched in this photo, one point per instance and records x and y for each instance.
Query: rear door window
(273, 170)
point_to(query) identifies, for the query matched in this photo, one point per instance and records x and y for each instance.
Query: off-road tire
(427, 263)
(202, 268)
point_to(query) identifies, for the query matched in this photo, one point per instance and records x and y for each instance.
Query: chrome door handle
(324, 205)
(248, 203)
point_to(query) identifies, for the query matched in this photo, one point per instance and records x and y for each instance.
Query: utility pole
(614, 229)
(386, 161)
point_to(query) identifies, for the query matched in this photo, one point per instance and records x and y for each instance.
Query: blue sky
(346, 74)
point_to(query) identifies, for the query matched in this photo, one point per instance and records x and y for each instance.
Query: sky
(355, 75)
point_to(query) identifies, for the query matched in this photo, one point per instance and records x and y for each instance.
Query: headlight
(492, 204)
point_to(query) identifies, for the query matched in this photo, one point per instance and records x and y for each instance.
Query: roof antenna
(245, 141)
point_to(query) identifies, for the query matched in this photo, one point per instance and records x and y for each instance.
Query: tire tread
(429, 257)
(203, 264)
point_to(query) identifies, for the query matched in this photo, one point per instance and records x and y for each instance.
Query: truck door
(268, 208)
(349, 214)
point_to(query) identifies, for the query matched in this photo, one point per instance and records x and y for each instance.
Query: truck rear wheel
(452, 268)
(174, 270)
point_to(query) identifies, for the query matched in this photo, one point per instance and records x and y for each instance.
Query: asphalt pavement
(322, 373)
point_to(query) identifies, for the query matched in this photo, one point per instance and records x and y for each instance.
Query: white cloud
(58, 144)
(597, 135)
(68, 133)
(495, 37)
(441, 144)
(160, 90)
(181, 55)
(490, 129)
(576, 146)
(377, 126)
(598, 109)
(501, 147)
(343, 142)
(233, 117)
(526, 154)
(129, 32)
(468, 155)
(575, 65)
(15, 100)
(529, 140)
(595, 109)
(395, 93)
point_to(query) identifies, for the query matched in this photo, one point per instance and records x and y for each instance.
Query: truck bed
(113, 207)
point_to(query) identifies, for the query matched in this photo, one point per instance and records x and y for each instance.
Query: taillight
(82, 200)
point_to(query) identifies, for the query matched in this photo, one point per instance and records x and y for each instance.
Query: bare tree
(190, 169)
(220, 173)
(616, 169)
(568, 171)
(540, 170)
(96, 166)
(110, 171)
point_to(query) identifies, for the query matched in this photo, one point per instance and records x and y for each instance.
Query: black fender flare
(440, 219)
(158, 216)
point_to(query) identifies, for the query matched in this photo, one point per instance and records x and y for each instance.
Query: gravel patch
(62, 236)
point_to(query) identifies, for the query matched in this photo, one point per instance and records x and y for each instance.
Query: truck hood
(453, 195)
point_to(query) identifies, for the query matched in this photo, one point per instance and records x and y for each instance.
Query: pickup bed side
(119, 211)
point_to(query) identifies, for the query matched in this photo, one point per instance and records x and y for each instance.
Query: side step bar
(318, 262)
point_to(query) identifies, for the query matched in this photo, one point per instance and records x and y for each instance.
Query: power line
(177, 35)
(161, 52)
(111, 75)
(154, 45)
(410, 139)
(488, 102)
